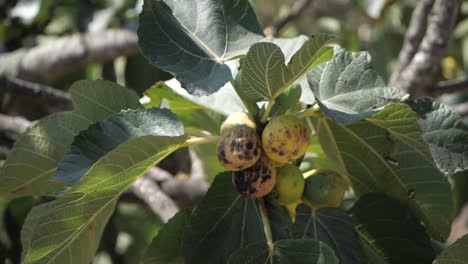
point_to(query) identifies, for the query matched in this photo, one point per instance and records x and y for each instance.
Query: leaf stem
(313, 111)
(309, 173)
(266, 228)
(201, 140)
(267, 111)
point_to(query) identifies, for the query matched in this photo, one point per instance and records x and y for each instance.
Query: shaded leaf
(181, 38)
(393, 229)
(445, 133)
(292, 251)
(68, 229)
(36, 154)
(100, 138)
(222, 223)
(167, 246)
(386, 153)
(455, 253)
(264, 72)
(331, 226)
(347, 89)
(280, 220)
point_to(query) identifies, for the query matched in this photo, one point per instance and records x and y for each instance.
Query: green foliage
(264, 72)
(104, 136)
(394, 153)
(331, 226)
(34, 159)
(348, 90)
(222, 223)
(455, 253)
(193, 46)
(392, 230)
(445, 133)
(291, 251)
(397, 161)
(167, 246)
(60, 231)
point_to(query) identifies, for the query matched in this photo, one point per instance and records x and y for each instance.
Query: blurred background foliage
(377, 26)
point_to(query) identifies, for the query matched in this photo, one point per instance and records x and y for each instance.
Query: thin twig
(296, 11)
(421, 71)
(52, 98)
(451, 86)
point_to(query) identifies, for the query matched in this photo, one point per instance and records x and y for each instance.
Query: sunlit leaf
(347, 89)
(36, 154)
(100, 138)
(68, 229)
(265, 74)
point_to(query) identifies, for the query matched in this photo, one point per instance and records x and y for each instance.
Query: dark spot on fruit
(255, 152)
(274, 149)
(266, 177)
(288, 133)
(281, 153)
(295, 152)
(249, 145)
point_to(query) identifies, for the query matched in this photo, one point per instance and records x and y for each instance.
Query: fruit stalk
(266, 227)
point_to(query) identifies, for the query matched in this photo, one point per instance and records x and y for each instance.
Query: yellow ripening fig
(324, 188)
(239, 148)
(237, 118)
(285, 138)
(256, 181)
(289, 185)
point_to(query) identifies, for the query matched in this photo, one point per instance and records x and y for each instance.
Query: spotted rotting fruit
(256, 181)
(285, 138)
(239, 145)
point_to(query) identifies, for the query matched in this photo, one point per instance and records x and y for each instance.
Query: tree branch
(52, 99)
(296, 11)
(420, 67)
(12, 126)
(52, 60)
(461, 109)
(450, 86)
(148, 191)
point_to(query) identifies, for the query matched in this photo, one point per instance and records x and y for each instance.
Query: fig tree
(285, 138)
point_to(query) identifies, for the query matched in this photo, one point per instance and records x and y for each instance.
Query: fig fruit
(324, 188)
(285, 138)
(235, 119)
(289, 185)
(239, 148)
(256, 181)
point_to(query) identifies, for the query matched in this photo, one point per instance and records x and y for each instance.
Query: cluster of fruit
(260, 160)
